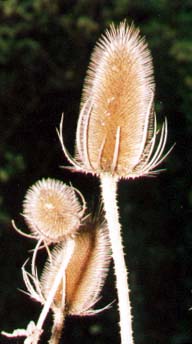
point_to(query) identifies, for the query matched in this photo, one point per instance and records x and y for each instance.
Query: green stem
(109, 194)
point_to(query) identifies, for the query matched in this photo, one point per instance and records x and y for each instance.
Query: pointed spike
(29, 236)
(100, 153)
(65, 151)
(158, 158)
(145, 131)
(116, 150)
(86, 158)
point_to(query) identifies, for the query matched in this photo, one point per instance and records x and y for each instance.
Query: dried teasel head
(85, 272)
(116, 131)
(52, 210)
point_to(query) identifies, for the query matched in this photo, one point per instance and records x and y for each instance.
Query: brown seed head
(85, 273)
(52, 210)
(116, 130)
(119, 88)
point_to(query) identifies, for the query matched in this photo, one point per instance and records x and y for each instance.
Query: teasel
(71, 281)
(117, 134)
(53, 211)
(33, 331)
(84, 276)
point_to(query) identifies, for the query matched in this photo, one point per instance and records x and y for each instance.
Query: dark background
(44, 52)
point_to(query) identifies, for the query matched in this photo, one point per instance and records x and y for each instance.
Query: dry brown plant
(117, 134)
(76, 267)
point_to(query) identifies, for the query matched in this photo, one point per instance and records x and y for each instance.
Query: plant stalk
(57, 281)
(57, 328)
(109, 194)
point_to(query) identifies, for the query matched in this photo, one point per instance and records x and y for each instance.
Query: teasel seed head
(85, 273)
(52, 210)
(116, 131)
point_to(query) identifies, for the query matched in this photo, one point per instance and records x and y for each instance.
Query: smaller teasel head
(52, 210)
(85, 273)
(117, 130)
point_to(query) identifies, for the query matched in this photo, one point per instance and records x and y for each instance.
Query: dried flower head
(85, 272)
(52, 210)
(116, 131)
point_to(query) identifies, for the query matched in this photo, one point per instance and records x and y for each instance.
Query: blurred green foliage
(44, 52)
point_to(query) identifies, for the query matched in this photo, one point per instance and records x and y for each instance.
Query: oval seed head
(119, 88)
(116, 130)
(52, 210)
(85, 273)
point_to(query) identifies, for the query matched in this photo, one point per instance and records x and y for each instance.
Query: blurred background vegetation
(44, 52)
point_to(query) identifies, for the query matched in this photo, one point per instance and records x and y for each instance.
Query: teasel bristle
(85, 273)
(52, 210)
(121, 54)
